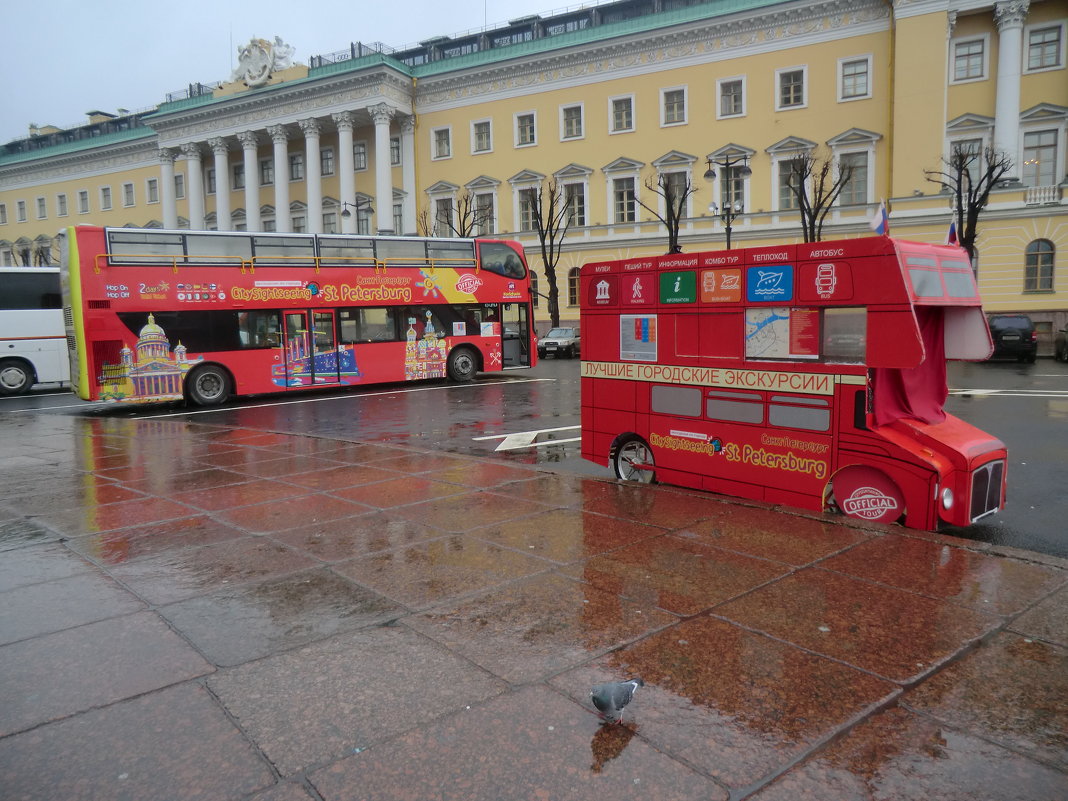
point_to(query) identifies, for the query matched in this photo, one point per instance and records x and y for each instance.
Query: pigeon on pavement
(612, 697)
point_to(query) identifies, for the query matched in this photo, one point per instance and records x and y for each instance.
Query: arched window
(573, 286)
(1038, 266)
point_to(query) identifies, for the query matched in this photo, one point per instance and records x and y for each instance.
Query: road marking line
(526, 439)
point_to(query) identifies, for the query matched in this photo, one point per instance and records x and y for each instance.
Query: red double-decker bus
(155, 315)
(812, 376)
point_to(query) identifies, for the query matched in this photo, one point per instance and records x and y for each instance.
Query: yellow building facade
(605, 100)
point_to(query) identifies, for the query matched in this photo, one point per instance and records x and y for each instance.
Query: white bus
(33, 344)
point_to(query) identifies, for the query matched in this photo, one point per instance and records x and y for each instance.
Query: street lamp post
(361, 204)
(731, 166)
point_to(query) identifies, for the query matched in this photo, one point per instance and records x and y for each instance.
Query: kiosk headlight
(947, 499)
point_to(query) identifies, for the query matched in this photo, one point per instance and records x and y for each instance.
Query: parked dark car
(1060, 344)
(1014, 337)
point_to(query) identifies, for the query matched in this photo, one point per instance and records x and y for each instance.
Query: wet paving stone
(359, 535)
(431, 572)
(538, 626)
(55, 605)
(346, 475)
(71, 497)
(242, 623)
(399, 492)
(771, 534)
(247, 493)
(290, 512)
(128, 544)
(412, 463)
(902, 756)
(657, 506)
(679, 575)
(533, 744)
(1011, 690)
(882, 629)
(175, 483)
(50, 677)
(568, 535)
(1047, 620)
(175, 743)
(283, 791)
(180, 574)
(980, 581)
(36, 563)
(735, 704)
(320, 702)
(460, 513)
(286, 466)
(481, 474)
(18, 532)
(92, 519)
(548, 488)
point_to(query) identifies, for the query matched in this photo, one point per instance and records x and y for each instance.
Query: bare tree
(675, 193)
(816, 185)
(551, 216)
(467, 218)
(969, 175)
(422, 222)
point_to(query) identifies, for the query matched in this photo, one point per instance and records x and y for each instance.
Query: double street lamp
(732, 168)
(361, 204)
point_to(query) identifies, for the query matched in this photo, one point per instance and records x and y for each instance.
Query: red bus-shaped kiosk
(812, 376)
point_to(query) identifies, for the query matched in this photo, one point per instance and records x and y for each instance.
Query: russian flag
(880, 223)
(951, 235)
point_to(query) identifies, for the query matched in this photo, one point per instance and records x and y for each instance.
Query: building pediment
(674, 158)
(573, 171)
(731, 151)
(623, 165)
(442, 188)
(526, 177)
(854, 136)
(791, 144)
(1043, 112)
(969, 122)
(482, 182)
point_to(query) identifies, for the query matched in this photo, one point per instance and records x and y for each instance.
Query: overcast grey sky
(62, 58)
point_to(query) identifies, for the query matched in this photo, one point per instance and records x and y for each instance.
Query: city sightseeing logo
(868, 503)
(468, 283)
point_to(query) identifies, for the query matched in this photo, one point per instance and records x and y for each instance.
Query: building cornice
(74, 164)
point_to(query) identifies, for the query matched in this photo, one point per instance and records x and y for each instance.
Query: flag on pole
(951, 235)
(880, 223)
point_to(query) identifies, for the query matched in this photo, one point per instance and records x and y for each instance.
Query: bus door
(515, 330)
(310, 351)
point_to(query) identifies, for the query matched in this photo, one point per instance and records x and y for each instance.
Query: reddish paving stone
(984, 582)
(94, 519)
(344, 538)
(657, 506)
(1047, 620)
(902, 756)
(431, 572)
(676, 574)
(568, 535)
(538, 626)
(284, 791)
(533, 744)
(287, 466)
(127, 544)
(247, 493)
(346, 475)
(1011, 690)
(173, 483)
(240, 458)
(175, 743)
(359, 452)
(481, 474)
(96, 493)
(399, 492)
(318, 703)
(411, 463)
(36, 563)
(179, 574)
(291, 512)
(548, 488)
(57, 675)
(882, 629)
(55, 605)
(738, 705)
(771, 534)
(460, 513)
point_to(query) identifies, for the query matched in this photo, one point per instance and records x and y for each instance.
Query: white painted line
(537, 431)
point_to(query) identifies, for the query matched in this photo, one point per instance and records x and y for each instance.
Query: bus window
(369, 325)
(924, 276)
(401, 252)
(259, 329)
(346, 252)
(208, 249)
(458, 255)
(681, 401)
(735, 407)
(283, 251)
(792, 411)
(498, 257)
(125, 246)
(30, 291)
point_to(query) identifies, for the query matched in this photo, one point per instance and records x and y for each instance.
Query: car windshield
(560, 332)
(1010, 322)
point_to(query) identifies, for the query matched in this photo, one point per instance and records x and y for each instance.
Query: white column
(344, 122)
(221, 150)
(382, 114)
(1010, 18)
(281, 177)
(252, 180)
(195, 188)
(408, 175)
(312, 177)
(166, 178)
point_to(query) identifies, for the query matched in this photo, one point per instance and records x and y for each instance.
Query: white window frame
(105, 198)
(20, 211)
(296, 160)
(685, 106)
(963, 40)
(719, 97)
(152, 191)
(776, 186)
(803, 69)
(394, 155)
(327, 159)
(841, 77)
(435, 155)
(237, 176)
(83, 201)
(582, 122)
(491, 229)
(3, 214)
(687, 173)
(129, 198)
(515, 128)
(41, 205)
(1028, 29)
(869, 179)
(179, 186)
(359, 155)
(612, 178)
(475, 150)
(443, 227)
(62, 206)
(262, 175)
(612, 129)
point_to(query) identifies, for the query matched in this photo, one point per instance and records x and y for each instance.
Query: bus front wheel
(632, 460)
(463, 364)
(208, 386)
(16, 377)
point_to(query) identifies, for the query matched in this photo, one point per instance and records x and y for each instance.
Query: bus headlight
(947, 499)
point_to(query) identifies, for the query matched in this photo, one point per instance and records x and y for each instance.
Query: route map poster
(637, 337)
(782, 333)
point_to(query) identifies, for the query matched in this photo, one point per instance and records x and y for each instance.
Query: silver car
(560, 342)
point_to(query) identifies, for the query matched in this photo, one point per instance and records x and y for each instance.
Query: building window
(573, 286)
(854, 78)
(266, 172)
(481, 141)
(1045, 48)
(127, 195)
(398, 220)
(296, 167)
(1040, 158)
(575, 198)
(525, 130)
(179, 186)
(621, 115)
(326, 161)
(732, 190)
(105, 198)
(675, 186)
(571, 122)
(359, 155)
(969, 60)
(1038, 270)
(269, 226)
(624, 202)
(731, 97)
(61, 205)
(83, 202)
(151, 190)
(42, 209)
(329, 222)
(528, 200)
(855, 190)
(237, 176)
(394, 151)
(674, 106)
(443, 217)
(787, 179)
(535, 295)
(20, 211)
(298, 225)
(210, 182)
(442, 143)
(791, 83)
(3, 214)
(484, 214)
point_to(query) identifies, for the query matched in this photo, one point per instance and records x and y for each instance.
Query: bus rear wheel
(208, 386)
(632, 460)
(16, 377)
(462, 365)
